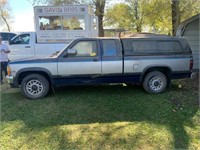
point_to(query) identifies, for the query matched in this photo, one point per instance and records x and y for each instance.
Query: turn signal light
(8, 70)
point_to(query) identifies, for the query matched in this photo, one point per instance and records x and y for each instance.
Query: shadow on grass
(104, 104)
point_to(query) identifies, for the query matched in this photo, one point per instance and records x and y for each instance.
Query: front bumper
(193, 75)
(10, 79)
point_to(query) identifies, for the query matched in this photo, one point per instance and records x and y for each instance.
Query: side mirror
(70, 52)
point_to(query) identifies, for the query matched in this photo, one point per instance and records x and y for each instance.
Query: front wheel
(155, 82)
(35, 86)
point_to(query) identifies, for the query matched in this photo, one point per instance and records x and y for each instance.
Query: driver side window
(21, 39)
(85, 48)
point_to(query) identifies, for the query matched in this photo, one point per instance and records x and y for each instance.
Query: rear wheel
(155, 82)
(35, 86)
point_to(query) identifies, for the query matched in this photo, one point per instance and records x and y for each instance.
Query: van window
(109, 48)
(169, 46)
(86, 48)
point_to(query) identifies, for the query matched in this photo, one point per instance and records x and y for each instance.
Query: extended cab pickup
(151, 61)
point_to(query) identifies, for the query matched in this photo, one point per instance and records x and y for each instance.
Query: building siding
(191, 34)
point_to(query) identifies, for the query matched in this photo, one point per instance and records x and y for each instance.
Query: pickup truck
(25, 45)
(151, 61)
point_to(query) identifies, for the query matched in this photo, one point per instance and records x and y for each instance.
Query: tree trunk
(100, 6)
(175, 15)
(8, 27)
(4, 18)
(137, 17)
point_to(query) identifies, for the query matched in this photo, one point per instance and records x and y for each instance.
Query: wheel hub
(34, 87)
(156, 83)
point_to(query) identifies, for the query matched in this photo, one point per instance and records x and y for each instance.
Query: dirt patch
(192, 83)
(184, 86)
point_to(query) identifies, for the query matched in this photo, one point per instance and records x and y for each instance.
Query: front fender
(26, 71)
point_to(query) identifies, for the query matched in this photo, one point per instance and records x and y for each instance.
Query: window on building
(62, 22)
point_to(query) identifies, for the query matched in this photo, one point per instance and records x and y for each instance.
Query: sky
(22, 11)
(23, 15)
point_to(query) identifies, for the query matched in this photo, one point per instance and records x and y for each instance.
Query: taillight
(8, 71)
(191, 64)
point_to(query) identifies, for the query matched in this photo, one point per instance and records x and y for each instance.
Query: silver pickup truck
(151, 61)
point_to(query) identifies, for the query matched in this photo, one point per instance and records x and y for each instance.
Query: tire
(155, 82)
(35, 86)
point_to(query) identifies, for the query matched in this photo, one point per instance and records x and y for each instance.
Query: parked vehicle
(55, 26)
(25, 45)
(151, 61)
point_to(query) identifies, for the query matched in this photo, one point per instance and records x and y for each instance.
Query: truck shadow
(104, 104)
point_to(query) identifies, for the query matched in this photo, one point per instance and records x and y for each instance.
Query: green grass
(102, 117)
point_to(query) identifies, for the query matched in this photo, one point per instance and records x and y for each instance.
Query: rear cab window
(109, 47)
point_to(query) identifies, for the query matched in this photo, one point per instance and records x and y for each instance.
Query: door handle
(27, 47)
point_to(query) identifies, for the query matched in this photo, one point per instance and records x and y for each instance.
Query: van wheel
(35, 86)
(155, 82)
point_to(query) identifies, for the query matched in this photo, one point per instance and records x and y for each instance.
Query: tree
(119, 16)
(138, 9)
(181, 10)
(5, 15)
(99, 11)
(99, 6)
(158, 16)
(55, 2)
(175, 15)
(128, 15)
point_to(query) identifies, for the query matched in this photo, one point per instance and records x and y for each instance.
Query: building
(189, 29)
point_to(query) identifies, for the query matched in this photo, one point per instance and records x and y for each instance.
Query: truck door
(82, 62)
(21, 47)
(112, 62)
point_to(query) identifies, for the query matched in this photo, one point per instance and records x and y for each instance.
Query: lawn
(102, 117)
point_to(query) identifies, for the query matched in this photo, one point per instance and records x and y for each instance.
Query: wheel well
(24, 74)
(165, 70)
